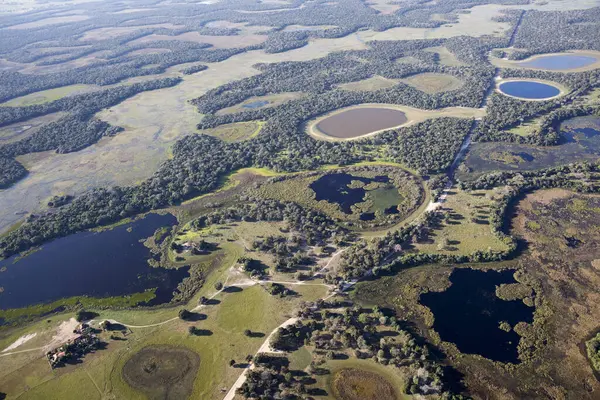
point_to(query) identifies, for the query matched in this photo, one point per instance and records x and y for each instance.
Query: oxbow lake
(95, 264)
(559, 62)
(529, 90)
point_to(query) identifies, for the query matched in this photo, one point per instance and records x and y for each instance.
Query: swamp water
(580, 138)
(338, 188)
(469, 314)
(96, 264)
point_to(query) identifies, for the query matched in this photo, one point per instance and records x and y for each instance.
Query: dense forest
(556, 31)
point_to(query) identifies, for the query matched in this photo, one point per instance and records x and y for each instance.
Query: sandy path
(20, 341)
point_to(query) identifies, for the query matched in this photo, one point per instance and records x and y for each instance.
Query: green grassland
(433, 82)
(47, 96)
(272, 99)
(467, 228)
(371, 84)
(100, 374)
(235, 132)
(445, 56)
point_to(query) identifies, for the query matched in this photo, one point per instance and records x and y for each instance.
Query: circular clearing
(358, 384)
(162, 372)
(355, 122)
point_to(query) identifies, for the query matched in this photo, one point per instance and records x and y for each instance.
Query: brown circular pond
(358, 122)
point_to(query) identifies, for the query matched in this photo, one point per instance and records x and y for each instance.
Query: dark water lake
(581, 141)
(95, 264)
(360, 121)
(560, 62)
(334, 188)
(529, 90)
(469, 313)
(256, 104)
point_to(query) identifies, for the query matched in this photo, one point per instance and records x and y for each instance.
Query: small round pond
(96, 264)
(356, 122)
(529, 90)
(560, 62)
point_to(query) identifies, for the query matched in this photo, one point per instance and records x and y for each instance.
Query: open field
(50, 21)
(414, 115)
(253, 103)
(478, 22)
(49, 95)
(445, 56)
(374, 83)
(220, 42)
(20, 130)
(467, 229)
(433, 83)
(383, 6)
(235, 132)
(114, 32)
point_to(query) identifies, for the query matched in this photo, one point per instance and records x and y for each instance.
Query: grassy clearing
(467, 229)
(371, 84)
(446, 57)
(220, 42)
(383, 6)
(480, 21)
(434, 83)
(46, 96)
(50, 21)
(256, 102)
(390, 375)
(235, 132)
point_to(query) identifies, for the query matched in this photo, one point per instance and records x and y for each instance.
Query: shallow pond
(581, 141)
(342, 189)
(559, 62)
(529, 90)
(360, 121)
(256, 104)
(95, 264)
(469, 313)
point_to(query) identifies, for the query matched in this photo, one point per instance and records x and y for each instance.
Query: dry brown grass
(434, 83)
(357, 384)
(222, 42)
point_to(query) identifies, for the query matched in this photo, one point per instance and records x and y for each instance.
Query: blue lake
(529, 90)
(560, 62)
(95, 264)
